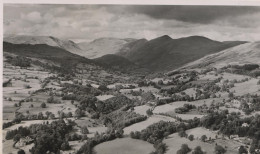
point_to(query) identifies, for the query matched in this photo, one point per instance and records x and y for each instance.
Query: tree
(182, 133)
(21, 151)
(43, 105)
(103, 88)
(231, 95)
(242, 150)
(84, 130)
(78, 113)
(184, 149)
(149, 112)
(17, 137)
(191, 137)
(120, 133)
(65, 146)
(220, 150)
(69, 114)
(197, 150)
(203, 138)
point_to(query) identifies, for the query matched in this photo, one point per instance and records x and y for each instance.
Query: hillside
(42, 51)
(164, 53)
(241, 54)
(103, 46)
(119, 63)
(48, 40)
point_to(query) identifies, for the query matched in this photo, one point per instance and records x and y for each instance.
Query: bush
(191, 137)
(197, 150)
(84, 130)
(43, 105)
(184, 149)
(220, 150)
(149, 112)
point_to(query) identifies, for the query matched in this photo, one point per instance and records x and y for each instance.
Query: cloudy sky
(88, 22)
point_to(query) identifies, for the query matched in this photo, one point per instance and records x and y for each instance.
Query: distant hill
(164, 53)
(60, 56)
(103, 46)
(241, 54)
(48, 40)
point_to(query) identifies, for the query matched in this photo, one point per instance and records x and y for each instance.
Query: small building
(245, 124)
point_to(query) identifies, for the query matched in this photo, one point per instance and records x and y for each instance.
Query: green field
(124, 146)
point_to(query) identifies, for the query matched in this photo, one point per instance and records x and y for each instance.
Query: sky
(88, 22)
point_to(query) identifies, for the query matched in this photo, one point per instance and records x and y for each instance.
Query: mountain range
(159, 54)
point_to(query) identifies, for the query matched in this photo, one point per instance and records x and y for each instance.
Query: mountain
(131, 46)
(63, 58)
(48, 40)
(241, 54)
(164, 53)
(103, 46)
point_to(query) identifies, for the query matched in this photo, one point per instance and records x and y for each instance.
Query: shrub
(43, 105)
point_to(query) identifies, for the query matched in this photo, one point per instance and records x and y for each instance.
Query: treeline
(13, 122)
(121, 119)
(247, 69)
(19, 61)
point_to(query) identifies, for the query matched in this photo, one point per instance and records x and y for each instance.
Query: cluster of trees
(41, 116)
(52, 100)
(247, 69)
(155, 132)
(185, 149)
(160, 147)
(253, 100)
(21, 131)
(231, 124)
(121, 119)
(19, 61)
(9, 124)
(114, 103)
(185, 108)
(51, 137)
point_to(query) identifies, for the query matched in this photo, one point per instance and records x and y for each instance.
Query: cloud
(194, 14)
(128, 21)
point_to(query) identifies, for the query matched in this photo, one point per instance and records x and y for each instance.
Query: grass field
(124, 146)
(104, 97)
(199, 131)
(141, 109)
(174, 143)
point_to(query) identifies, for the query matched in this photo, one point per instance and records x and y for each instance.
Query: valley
(57, 101)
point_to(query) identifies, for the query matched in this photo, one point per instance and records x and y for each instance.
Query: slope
(103, 46)
(48, 40)
(165, 53)
(241, 54)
